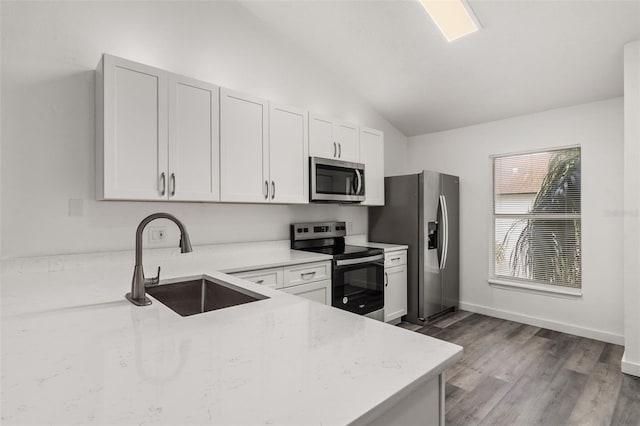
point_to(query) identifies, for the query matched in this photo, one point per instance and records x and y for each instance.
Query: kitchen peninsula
(74, 351)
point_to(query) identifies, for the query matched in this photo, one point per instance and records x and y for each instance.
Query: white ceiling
(529, 56)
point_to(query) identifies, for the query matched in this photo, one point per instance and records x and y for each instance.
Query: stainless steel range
(358, 272)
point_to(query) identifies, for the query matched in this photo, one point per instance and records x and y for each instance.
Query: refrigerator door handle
(445, 236)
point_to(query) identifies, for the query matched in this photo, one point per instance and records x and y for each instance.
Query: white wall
(50, 51)
(598, 129)
(631, 359)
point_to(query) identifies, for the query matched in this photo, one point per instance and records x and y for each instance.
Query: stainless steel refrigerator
(423, 211)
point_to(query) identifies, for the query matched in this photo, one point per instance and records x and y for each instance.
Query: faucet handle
(153, 281)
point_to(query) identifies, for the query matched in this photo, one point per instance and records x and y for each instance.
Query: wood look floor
(516, 374)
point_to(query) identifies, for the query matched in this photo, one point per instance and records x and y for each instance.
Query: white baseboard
(590, 333)
(629, 367)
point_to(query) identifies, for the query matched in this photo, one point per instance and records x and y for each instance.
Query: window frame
(514, 283)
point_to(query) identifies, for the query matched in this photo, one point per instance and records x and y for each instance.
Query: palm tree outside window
(537, 217)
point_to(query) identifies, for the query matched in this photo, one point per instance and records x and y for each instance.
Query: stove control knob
(345, 300)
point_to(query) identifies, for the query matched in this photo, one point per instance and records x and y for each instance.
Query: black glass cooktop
(346, 251)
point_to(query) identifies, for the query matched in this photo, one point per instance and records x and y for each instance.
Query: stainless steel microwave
(336, 181)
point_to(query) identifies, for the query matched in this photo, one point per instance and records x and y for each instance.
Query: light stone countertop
(361, 240)
(74, 351)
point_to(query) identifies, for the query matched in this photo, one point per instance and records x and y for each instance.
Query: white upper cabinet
(162, 136)
(372, 156)
(131, 136)
(348, 140)
(157, 134)
(193, 140)
(244, 147)
(288, 155)
(330, 138)
(321, 142)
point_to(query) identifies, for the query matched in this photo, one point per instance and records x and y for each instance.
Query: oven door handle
(369, 259)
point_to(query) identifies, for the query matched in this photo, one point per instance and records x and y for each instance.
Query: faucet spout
(137, 296)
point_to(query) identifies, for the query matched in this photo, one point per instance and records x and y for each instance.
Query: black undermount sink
(195, 296)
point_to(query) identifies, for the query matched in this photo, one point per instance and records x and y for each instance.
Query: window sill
(548, 290)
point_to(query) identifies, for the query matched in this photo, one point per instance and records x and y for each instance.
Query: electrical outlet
(349, 227)
(157, 234)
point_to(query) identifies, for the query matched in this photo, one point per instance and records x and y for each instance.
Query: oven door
(334, 180)
(358, 284)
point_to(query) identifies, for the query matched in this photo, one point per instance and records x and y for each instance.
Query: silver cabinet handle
(173, 184)
(386, 279)
(339, 150)
(303, 275)
(395, 258)
(273, 189)
(266, 189)
(259, 281)
(163, 183)
(335, 150)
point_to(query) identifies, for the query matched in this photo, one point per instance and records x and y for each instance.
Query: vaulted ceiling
(529, 56)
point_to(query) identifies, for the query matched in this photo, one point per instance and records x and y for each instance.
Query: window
(536, 217)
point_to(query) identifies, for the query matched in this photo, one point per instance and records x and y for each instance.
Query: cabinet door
(272, 278)
(131, 150)
(348, 139)
(193, 140)
(288, 155)
(395, 292)
(244, 168)
(372, 156)
(321, 141)
(319, 291)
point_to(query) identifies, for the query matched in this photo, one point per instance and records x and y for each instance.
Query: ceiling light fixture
(454, 18)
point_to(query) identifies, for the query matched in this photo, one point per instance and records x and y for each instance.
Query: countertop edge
(392, 400)
(278, 264)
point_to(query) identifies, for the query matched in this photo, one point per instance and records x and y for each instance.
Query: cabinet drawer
(395, 258)
(267, 277)
(306, 273)
(319, 291)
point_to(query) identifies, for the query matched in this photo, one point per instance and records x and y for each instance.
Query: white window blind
(536, 217)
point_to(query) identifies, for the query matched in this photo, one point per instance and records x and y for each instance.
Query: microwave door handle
(359, 182)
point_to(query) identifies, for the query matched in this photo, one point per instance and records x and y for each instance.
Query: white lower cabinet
(395, 287)
(309, 280)
(319, 291)
(272, 278)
